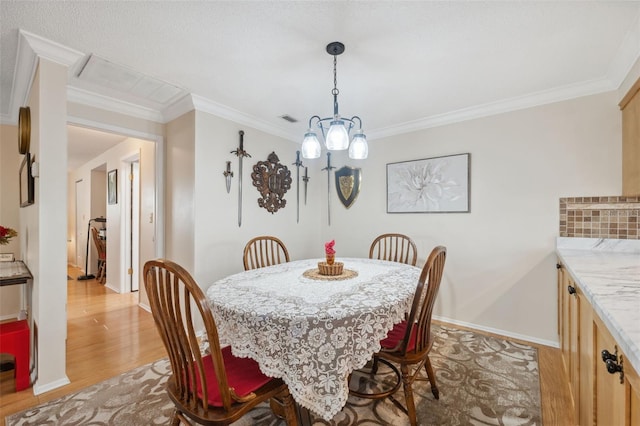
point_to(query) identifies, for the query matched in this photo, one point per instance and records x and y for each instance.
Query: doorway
(131, 240)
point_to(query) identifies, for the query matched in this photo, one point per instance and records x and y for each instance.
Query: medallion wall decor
(273, 180)
(431, 185)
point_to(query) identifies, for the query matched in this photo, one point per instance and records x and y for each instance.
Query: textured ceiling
(407, 65)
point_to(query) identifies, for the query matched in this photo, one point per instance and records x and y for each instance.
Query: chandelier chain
(335, 90)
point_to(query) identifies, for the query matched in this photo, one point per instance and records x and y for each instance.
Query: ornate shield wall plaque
(272, 180)
(348, 184)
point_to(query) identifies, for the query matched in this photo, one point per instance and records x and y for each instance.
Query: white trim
(52, 51)
(550, 343)
(31, 48)
(159, 158)
(10, 316)
(145, 307)
(494, 108)
(211, 107)
(178, 108)
(23, 73)
(627, 54)
(39, 389)
(85, 97)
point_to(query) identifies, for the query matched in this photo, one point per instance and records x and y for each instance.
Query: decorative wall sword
(228, 174)
(305, 179)
(328, 169)
(298, 163)
(240, 153)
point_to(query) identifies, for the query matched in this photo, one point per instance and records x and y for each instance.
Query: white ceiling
(407, 64)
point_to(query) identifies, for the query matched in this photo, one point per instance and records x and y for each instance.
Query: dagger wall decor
(228, 174)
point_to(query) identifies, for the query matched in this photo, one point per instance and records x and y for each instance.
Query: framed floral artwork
(430, 185)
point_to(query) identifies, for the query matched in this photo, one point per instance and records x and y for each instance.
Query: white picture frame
(430, 185)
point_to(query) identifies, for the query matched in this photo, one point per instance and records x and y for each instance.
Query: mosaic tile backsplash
(600, 217)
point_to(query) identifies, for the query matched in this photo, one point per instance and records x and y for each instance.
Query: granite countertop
(608, 272)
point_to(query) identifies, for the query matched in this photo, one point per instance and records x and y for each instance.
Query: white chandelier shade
(335, 130)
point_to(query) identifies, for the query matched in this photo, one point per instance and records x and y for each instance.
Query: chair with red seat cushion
(214, 388)
(410, 341)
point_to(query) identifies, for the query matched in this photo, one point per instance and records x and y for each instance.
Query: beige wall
(43, 242)
(500, 272)
(180, 187)
(10, 160)
(219, 241)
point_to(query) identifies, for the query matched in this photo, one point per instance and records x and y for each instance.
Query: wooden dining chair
(394, 247)
(209, 385)
(409, 342)
(101, 248)
(264, 251)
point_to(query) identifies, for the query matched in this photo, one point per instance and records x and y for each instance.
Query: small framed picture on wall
(112, 186)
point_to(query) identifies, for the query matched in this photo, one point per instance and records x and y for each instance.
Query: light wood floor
(109, 334)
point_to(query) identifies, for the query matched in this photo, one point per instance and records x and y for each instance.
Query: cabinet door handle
(606, 356)
(612, 364)
(571, 289)
(613, 367)
(558, 266)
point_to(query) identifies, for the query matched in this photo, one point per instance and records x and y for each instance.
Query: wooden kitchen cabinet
(630, 106)
(617, 392)
(600, 397)
(576, 342)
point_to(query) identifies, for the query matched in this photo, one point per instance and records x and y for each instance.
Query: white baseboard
(551, 343)
(109, 286)
(145, 307)
(9, 316)
(38, 389)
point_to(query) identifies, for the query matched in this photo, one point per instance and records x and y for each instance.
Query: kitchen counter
(608, 272)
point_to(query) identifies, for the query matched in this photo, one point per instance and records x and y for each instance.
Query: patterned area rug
(482, 381)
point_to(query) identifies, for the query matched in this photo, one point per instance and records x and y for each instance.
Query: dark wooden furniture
(409, 342)
(395, 248)
(208, 384)
(264, 251)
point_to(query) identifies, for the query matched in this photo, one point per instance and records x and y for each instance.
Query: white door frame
(159, 216)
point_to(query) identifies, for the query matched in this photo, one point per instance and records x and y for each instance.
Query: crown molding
(222, 111)
(107, 103)
(626, 55)
(51, 50)
(178, 108)
(23, 73)
(500, 107)
(30, 49)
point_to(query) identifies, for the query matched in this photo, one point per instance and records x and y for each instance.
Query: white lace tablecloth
(312, 333)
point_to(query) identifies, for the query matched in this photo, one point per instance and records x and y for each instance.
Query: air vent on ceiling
(288, 118)
(113, 76)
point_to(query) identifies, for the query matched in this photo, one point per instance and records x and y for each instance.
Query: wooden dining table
(312, 330)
